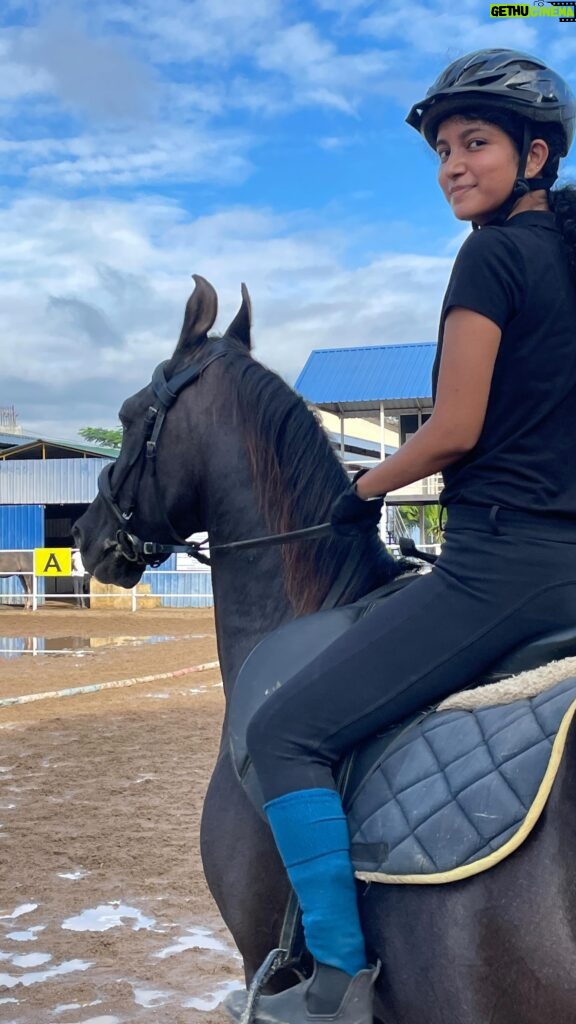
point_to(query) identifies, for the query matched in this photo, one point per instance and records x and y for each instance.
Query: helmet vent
(507, 79)
(492, 79)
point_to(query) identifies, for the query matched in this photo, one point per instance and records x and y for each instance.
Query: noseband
(131, 547)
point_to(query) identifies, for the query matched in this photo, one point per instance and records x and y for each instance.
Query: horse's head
(152, 492)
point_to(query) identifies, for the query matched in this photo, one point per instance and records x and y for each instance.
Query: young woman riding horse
(504, 387)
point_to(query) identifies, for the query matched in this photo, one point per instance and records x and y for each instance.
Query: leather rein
(133, 549)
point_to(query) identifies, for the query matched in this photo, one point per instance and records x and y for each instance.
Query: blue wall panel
(183, 589)
(21, 528)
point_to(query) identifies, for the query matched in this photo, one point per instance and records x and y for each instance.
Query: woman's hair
(562, 200)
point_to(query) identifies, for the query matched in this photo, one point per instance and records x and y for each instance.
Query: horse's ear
(241, 325)
(200, 313)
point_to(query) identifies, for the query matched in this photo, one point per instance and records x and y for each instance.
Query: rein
(151, 550)
(193, 548)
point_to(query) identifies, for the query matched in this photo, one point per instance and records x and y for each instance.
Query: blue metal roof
(398, 375)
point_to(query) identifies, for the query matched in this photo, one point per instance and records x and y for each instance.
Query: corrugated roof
(40, 448)
(355, 378)
(9, 440)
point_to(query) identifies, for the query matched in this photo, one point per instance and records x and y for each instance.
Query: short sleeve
(488, 277)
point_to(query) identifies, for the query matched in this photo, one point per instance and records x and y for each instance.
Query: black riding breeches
(502, 579)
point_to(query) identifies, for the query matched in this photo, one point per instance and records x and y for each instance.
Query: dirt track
(105, 917)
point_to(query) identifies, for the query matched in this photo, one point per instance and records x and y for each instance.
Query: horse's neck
(249, 596)
(249, 585)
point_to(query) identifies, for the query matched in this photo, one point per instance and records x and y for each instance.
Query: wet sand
(105, 916)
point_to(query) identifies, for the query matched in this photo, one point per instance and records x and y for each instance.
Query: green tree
(100, 435)
(432, 524)
(411, 516)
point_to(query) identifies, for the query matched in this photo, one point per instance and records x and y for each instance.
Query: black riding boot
(329, 995)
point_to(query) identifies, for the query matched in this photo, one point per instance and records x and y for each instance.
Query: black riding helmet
(505, 80)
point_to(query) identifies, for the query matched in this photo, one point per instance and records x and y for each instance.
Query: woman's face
(478, 167)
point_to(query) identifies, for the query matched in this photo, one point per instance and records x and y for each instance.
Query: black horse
(239, 455)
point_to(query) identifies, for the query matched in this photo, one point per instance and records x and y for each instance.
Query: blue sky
(145, 140)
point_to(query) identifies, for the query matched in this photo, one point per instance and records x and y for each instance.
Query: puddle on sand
(34, 977)
(24, 908)
(196, 938)
(100, 919)
(149, 998)
(66, 1007)
(212, 999)
(30, 959)
(14, 646)
(26, 936)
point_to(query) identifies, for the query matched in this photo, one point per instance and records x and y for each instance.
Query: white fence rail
(168, 588)
(172, 588)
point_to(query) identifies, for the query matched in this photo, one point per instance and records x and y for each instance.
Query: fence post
(134, 599)
(34, 592)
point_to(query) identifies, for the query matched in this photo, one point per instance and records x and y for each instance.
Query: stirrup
(290, 1006)
(275, 961)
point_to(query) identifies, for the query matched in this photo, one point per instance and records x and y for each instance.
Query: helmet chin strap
(522, 185)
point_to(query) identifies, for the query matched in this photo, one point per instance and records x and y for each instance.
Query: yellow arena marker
(52, 561)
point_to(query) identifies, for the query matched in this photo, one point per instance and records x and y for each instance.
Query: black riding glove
(351, 515)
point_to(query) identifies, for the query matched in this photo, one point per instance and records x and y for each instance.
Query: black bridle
(133, 549)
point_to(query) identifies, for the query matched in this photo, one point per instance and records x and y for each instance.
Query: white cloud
(18, 79)
(92, 295)
(209, 32)
(447, 30)
(319, 73)
(187, 153)
(97, 75)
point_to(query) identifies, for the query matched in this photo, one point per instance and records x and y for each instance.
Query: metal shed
(45, 485)
(376, 383)
(365, 380)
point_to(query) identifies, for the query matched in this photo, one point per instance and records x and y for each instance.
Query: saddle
(444, 795)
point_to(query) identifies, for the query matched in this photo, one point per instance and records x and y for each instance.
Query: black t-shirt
(518, 276)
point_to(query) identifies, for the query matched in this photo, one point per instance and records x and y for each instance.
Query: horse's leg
(24, 580)
(499, 948)
(242, 867)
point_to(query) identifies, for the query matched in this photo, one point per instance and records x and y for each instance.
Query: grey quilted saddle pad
(457, 792)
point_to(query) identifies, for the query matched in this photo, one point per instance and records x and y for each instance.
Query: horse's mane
(297, 477)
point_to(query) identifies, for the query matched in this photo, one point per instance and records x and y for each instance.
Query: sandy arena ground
(105, 917)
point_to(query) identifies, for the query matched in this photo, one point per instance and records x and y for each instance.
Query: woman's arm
(469, 351)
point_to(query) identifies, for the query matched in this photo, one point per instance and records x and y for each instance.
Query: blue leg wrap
(311, 833)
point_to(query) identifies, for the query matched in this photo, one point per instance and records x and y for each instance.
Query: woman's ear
(537, 158)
